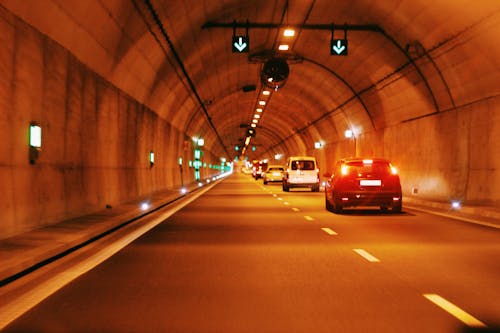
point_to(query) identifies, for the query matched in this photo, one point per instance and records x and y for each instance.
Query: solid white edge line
(366, 255)
(459, 218)
(454, 310)
(329, 231)
(13, 310)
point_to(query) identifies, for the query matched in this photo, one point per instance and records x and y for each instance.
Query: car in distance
(363, 182)
(258, 168)
(301, 171)
(274, 173)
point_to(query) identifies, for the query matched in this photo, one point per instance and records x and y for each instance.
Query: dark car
(259, 167)
(363, 182)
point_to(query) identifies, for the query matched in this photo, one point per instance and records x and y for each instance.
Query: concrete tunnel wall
(95, 139)
(84, 164)
(452, 155)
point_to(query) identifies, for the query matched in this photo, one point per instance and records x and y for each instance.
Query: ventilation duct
(274, 73)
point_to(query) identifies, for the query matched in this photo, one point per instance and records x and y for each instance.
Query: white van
(301, 171)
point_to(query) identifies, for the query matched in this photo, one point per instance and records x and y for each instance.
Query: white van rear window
(303, 165)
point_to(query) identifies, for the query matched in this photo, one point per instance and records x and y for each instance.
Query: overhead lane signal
(241, 44)
(338, 47)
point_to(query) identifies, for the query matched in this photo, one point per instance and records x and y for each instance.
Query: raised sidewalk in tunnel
(26, 252)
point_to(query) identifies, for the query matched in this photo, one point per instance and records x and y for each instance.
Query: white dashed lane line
(366, 255)
(295, 209)
(286, 203)
(454, 310)
(329, 231)
(309, 218)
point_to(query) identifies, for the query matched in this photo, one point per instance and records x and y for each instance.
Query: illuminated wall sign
(35, 136)
(319, 144)
(197, 154)
(338, 47)
(241, 44)
(35, 142)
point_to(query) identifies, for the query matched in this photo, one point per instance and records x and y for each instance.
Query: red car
(363, 182)
(259, 167)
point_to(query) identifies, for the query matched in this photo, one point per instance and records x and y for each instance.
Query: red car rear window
(359, 167)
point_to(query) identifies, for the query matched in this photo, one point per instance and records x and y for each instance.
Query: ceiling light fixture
(266, 92)
(283, 47)
(289, 32)
(262, 103)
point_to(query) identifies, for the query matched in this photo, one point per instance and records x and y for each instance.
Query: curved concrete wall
(439, 124)
(96, 140)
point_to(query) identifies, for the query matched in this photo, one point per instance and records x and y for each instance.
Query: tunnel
(113, 111)
(109, 83)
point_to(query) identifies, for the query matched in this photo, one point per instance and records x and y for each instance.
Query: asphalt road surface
(245, 257)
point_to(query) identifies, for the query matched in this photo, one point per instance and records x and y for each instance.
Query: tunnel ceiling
(162, 53)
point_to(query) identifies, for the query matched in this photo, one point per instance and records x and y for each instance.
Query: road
(245, 257)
